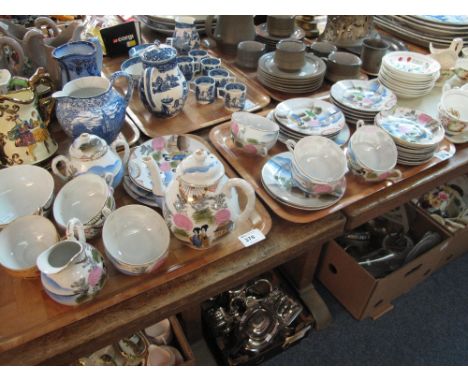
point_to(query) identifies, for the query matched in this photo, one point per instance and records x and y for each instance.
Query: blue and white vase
(163, 88)
(92, 105)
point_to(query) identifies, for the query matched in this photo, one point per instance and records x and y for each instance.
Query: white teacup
(455, 103)
(372, 154)
(159, 356)
(160, 333)
(22, 241)
(253, 133)
(88, 198)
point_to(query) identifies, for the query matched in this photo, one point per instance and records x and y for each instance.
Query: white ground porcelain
(24, 189)
(455, 102)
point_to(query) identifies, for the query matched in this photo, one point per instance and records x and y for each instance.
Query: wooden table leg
(300, 271)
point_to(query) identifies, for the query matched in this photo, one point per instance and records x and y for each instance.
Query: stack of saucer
(168, 151)
(362, 100)
(416, 134)
(409, 74)
(302, 117)
(307, 80)
(262, 35)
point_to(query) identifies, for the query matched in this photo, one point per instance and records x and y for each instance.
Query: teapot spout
(158, 186)
(59, 94)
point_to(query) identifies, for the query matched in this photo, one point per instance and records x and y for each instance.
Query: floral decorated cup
(451, 124)
(461, 69)
(252, 133)
(372, 154)
(455, 103)
(87, 197)
(318, 166)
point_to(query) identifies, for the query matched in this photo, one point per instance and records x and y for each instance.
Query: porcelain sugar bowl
(201, 203)
(89, 153)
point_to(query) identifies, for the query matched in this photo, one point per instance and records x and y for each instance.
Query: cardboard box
(458, 241)
(365, 296)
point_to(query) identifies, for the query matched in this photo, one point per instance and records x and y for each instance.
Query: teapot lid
(88, 147)
(158, 53)
(201, 168)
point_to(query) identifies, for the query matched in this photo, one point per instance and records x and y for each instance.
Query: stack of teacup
(409, 74)
(372, 154)
(453, 114)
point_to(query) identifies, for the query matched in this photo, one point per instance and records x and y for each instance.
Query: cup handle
(129, 92)
(249, 192)
(122, 142)
(66, 162)
(196, 67)
(75, 230)
(290, 144)
(170, 41)
(192, 86)
(359, 124)
(457, 45)
(395, 175)
(220, 92)
(109, 178)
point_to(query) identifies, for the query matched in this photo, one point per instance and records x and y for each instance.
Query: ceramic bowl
(24, 190)
(22, 241)
(455, 103)
(134, 67)
(138, 49)
(87, 198)
(342, 65)
(372, 153)
(253, 133)
(322, 48)
(136, 239)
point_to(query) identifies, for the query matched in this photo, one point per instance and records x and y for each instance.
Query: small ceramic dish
(22, 241)
(24, 190)
(136, 239)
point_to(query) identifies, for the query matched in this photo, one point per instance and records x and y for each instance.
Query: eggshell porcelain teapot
(201, 204)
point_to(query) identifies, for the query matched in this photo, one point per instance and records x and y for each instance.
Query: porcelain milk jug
(92, 105)
(163, 88)
(201, 204)
(89, 153)
(185, 35)
(72, 271)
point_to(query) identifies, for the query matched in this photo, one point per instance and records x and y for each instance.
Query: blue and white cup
(209, 63)
(187, 66)
(235, 95)
(134, 67)
(198, 55)
(222, 78)
(205, 89)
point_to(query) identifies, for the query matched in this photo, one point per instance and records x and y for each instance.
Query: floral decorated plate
(278, 182)
(416, 64)
(168, 151)
(455, 20)
(309, 116)
(410, 127)
(363, 95)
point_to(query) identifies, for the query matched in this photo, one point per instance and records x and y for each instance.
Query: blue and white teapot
(163, 88)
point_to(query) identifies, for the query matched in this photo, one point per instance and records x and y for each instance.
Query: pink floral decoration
(234, 128)
(94, 276)
(424, 118)
(165, 166)
(222, 216)
(250, 149)
(158, 143)
(323, 189)
(443, 195)
(384, 175)
(183, 222)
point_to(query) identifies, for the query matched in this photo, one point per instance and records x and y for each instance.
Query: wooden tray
(250, 167)
(193, 116)
(26, 312)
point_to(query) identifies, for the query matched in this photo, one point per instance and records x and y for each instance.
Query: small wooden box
(365, 296)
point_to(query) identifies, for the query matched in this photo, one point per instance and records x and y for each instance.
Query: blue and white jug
(163, 88)
(185, 37)
(92, 105)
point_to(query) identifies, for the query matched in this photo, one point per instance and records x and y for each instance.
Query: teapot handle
(75, 226)
(290, 144)
(55, 167)
(122, 142)
(45, 100)
(209, 26)
(129, 92)
(249, 192)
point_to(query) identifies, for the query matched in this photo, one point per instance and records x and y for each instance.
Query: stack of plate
(416, 134)
(302, 117)
(307, 80)
(362, 100)
(263, 36)
(409, 74)
(168, 151)
(422, 30)
(166, 24)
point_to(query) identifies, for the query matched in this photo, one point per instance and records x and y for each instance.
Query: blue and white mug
(222, 78)
(209, 63)
(235, 95)
(187, 66)
(205, 89)
(198, 55)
